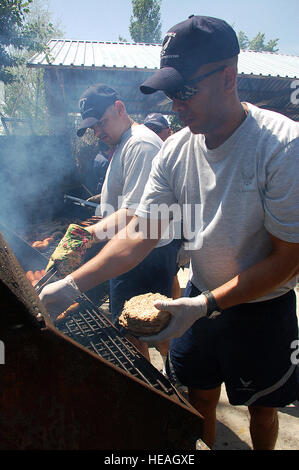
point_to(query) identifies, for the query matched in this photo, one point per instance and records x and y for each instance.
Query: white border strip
(274, 387)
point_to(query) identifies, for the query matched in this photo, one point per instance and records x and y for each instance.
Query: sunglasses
(188, 90)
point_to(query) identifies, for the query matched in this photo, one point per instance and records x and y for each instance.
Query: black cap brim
(88, 122)
(165, 79)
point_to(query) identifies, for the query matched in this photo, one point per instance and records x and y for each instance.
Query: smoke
(37, 170)
(35, 173)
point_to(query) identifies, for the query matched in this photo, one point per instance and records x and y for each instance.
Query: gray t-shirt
(129, 171)
(231, 197)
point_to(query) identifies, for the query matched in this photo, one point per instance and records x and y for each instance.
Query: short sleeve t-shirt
(130, 167)
(231, 197)
(129, 171)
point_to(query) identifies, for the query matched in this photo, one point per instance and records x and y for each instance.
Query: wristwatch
(212, 305)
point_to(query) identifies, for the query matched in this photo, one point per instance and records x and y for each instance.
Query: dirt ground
(233, 421)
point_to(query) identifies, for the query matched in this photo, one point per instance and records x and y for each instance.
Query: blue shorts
(249, 347)
(154, 274)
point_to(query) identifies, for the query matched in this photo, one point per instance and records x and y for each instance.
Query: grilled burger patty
(141, 317)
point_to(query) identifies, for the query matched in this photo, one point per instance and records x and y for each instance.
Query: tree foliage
(11, 35)
(145, 25)
(24, 92)
(175, 123)
(19, 35)
(257, 43)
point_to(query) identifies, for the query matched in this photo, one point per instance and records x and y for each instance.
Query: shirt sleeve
(281, 194)
(158, 193)
(136, 168)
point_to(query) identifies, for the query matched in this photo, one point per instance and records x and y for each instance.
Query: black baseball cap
(197, 41)
(93, 104)
(156, 121)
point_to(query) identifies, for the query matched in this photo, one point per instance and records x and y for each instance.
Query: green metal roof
(264, 78)
(98, 55)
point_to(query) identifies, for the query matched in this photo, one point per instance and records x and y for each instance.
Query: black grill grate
(90, 328)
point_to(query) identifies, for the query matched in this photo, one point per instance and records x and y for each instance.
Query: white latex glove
(59, 295)
(184, 311)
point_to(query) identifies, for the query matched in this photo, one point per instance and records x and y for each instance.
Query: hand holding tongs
(51, 274)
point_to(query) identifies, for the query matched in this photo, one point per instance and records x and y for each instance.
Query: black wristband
(212, 305)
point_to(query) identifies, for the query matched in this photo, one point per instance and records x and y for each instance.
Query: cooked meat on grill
(30, 276)
(36, 243)
(42, 244)
(68, 311)
(35, 276)
(141, 317)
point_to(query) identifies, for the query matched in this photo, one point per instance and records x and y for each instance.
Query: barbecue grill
(78, 383)
(91, 328)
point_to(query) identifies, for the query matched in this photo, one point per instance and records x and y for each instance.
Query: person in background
(159, 124)
(100, 167)
(98, 172)
(135, 147)
(236, 165)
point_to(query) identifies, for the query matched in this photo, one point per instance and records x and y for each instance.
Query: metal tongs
(80, 202)
(51, 275)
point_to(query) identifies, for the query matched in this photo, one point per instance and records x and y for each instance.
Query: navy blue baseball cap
(156, 121)
(197, 41)
(93, 104)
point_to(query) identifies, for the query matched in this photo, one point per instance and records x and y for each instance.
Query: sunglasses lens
(183, 94)
(187, 91)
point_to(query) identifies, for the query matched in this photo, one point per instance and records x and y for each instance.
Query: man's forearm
(110, 225)
(121, 254)
(262, 278)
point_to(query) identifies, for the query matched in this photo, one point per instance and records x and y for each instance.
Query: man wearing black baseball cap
(93, 104)
(204, 44)
(158, 124)
(135, 146)
(223, 162)
(186, 47)
(233, 172)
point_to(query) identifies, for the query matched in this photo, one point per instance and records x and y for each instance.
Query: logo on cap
(164, 47)
(82, 103)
